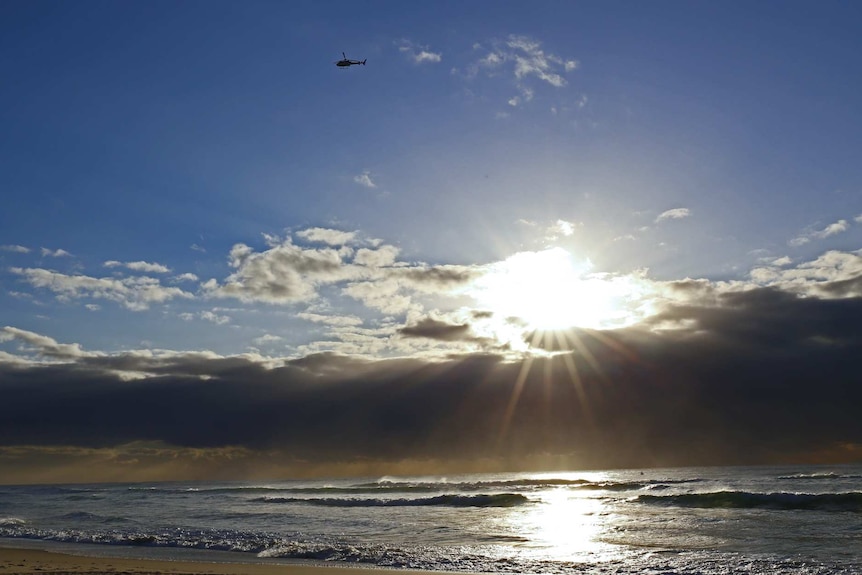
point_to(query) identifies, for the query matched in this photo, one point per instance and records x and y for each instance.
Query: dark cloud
(842, 288)
(435, 278)
(761, 376)
(434, 329)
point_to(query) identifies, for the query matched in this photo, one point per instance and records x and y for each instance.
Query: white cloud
(832, 229)
(364, 179)
(214, 317)
(419, 54)
(267, 339)
(381, 295)
(55, 253)
(23, 250)
(425, 56)
(381, 257)
(285, 273)
(563, 228)
(334, 320)
(858, 219)
(186, 277)
(325, 236)
(138, 266)
(530, 59)
(197, 248)
(525, 59)
(674, 214)
(135, 293)
(811, 234)
(831, 274)
(43, 345)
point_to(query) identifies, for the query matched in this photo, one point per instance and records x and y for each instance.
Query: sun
(551, 290)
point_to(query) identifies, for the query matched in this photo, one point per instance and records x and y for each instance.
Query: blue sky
(200, 178)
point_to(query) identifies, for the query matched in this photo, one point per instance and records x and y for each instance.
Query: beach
(36, 561)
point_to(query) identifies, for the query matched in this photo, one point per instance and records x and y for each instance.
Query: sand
(37, 562)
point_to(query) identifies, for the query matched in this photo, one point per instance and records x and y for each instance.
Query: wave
(387, 486)
(820, 476)
(11, 522)
(851, 501)
(451, 500)
(216, 540)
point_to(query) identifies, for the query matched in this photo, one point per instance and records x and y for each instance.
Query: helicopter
(344, 63)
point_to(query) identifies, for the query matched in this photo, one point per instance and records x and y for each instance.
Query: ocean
(704, 521)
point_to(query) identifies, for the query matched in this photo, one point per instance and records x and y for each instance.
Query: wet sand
(37, 562)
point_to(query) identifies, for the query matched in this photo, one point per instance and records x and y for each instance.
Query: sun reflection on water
(565, 525)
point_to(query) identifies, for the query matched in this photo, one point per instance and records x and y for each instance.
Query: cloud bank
(717, 377)
(428, 377)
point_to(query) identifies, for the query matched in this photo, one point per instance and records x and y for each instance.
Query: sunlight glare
(566, 527)
(550, 290)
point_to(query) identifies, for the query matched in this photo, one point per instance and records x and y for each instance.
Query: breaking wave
(496, 500)
(851, 501)
(820, 476)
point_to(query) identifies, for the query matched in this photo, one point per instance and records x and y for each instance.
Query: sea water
(753, 520)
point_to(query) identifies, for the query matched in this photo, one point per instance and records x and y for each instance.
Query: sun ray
(514, 397)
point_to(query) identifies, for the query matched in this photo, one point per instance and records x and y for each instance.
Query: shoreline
(33, 561)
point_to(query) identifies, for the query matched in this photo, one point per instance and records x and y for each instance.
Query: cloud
(530, 59)
(430, 372)
(186, 277)
(214, 317)
(327, 236)
(43, 346)
(206, 315)
(381, 257)
(55, 253)
(15, 249)
(425, 56)
(134, 293)
(267, 339)
(419, 54)
(523, 60)
(673, 214)
(334, 320)
(287, 273)
(703, 392)
(562, 228)
(832, 274)
(431, 328)
(384, 295)
(811, 234)
(139, 266)
(364, 180)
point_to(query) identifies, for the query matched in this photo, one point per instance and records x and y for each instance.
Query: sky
(524, 235)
